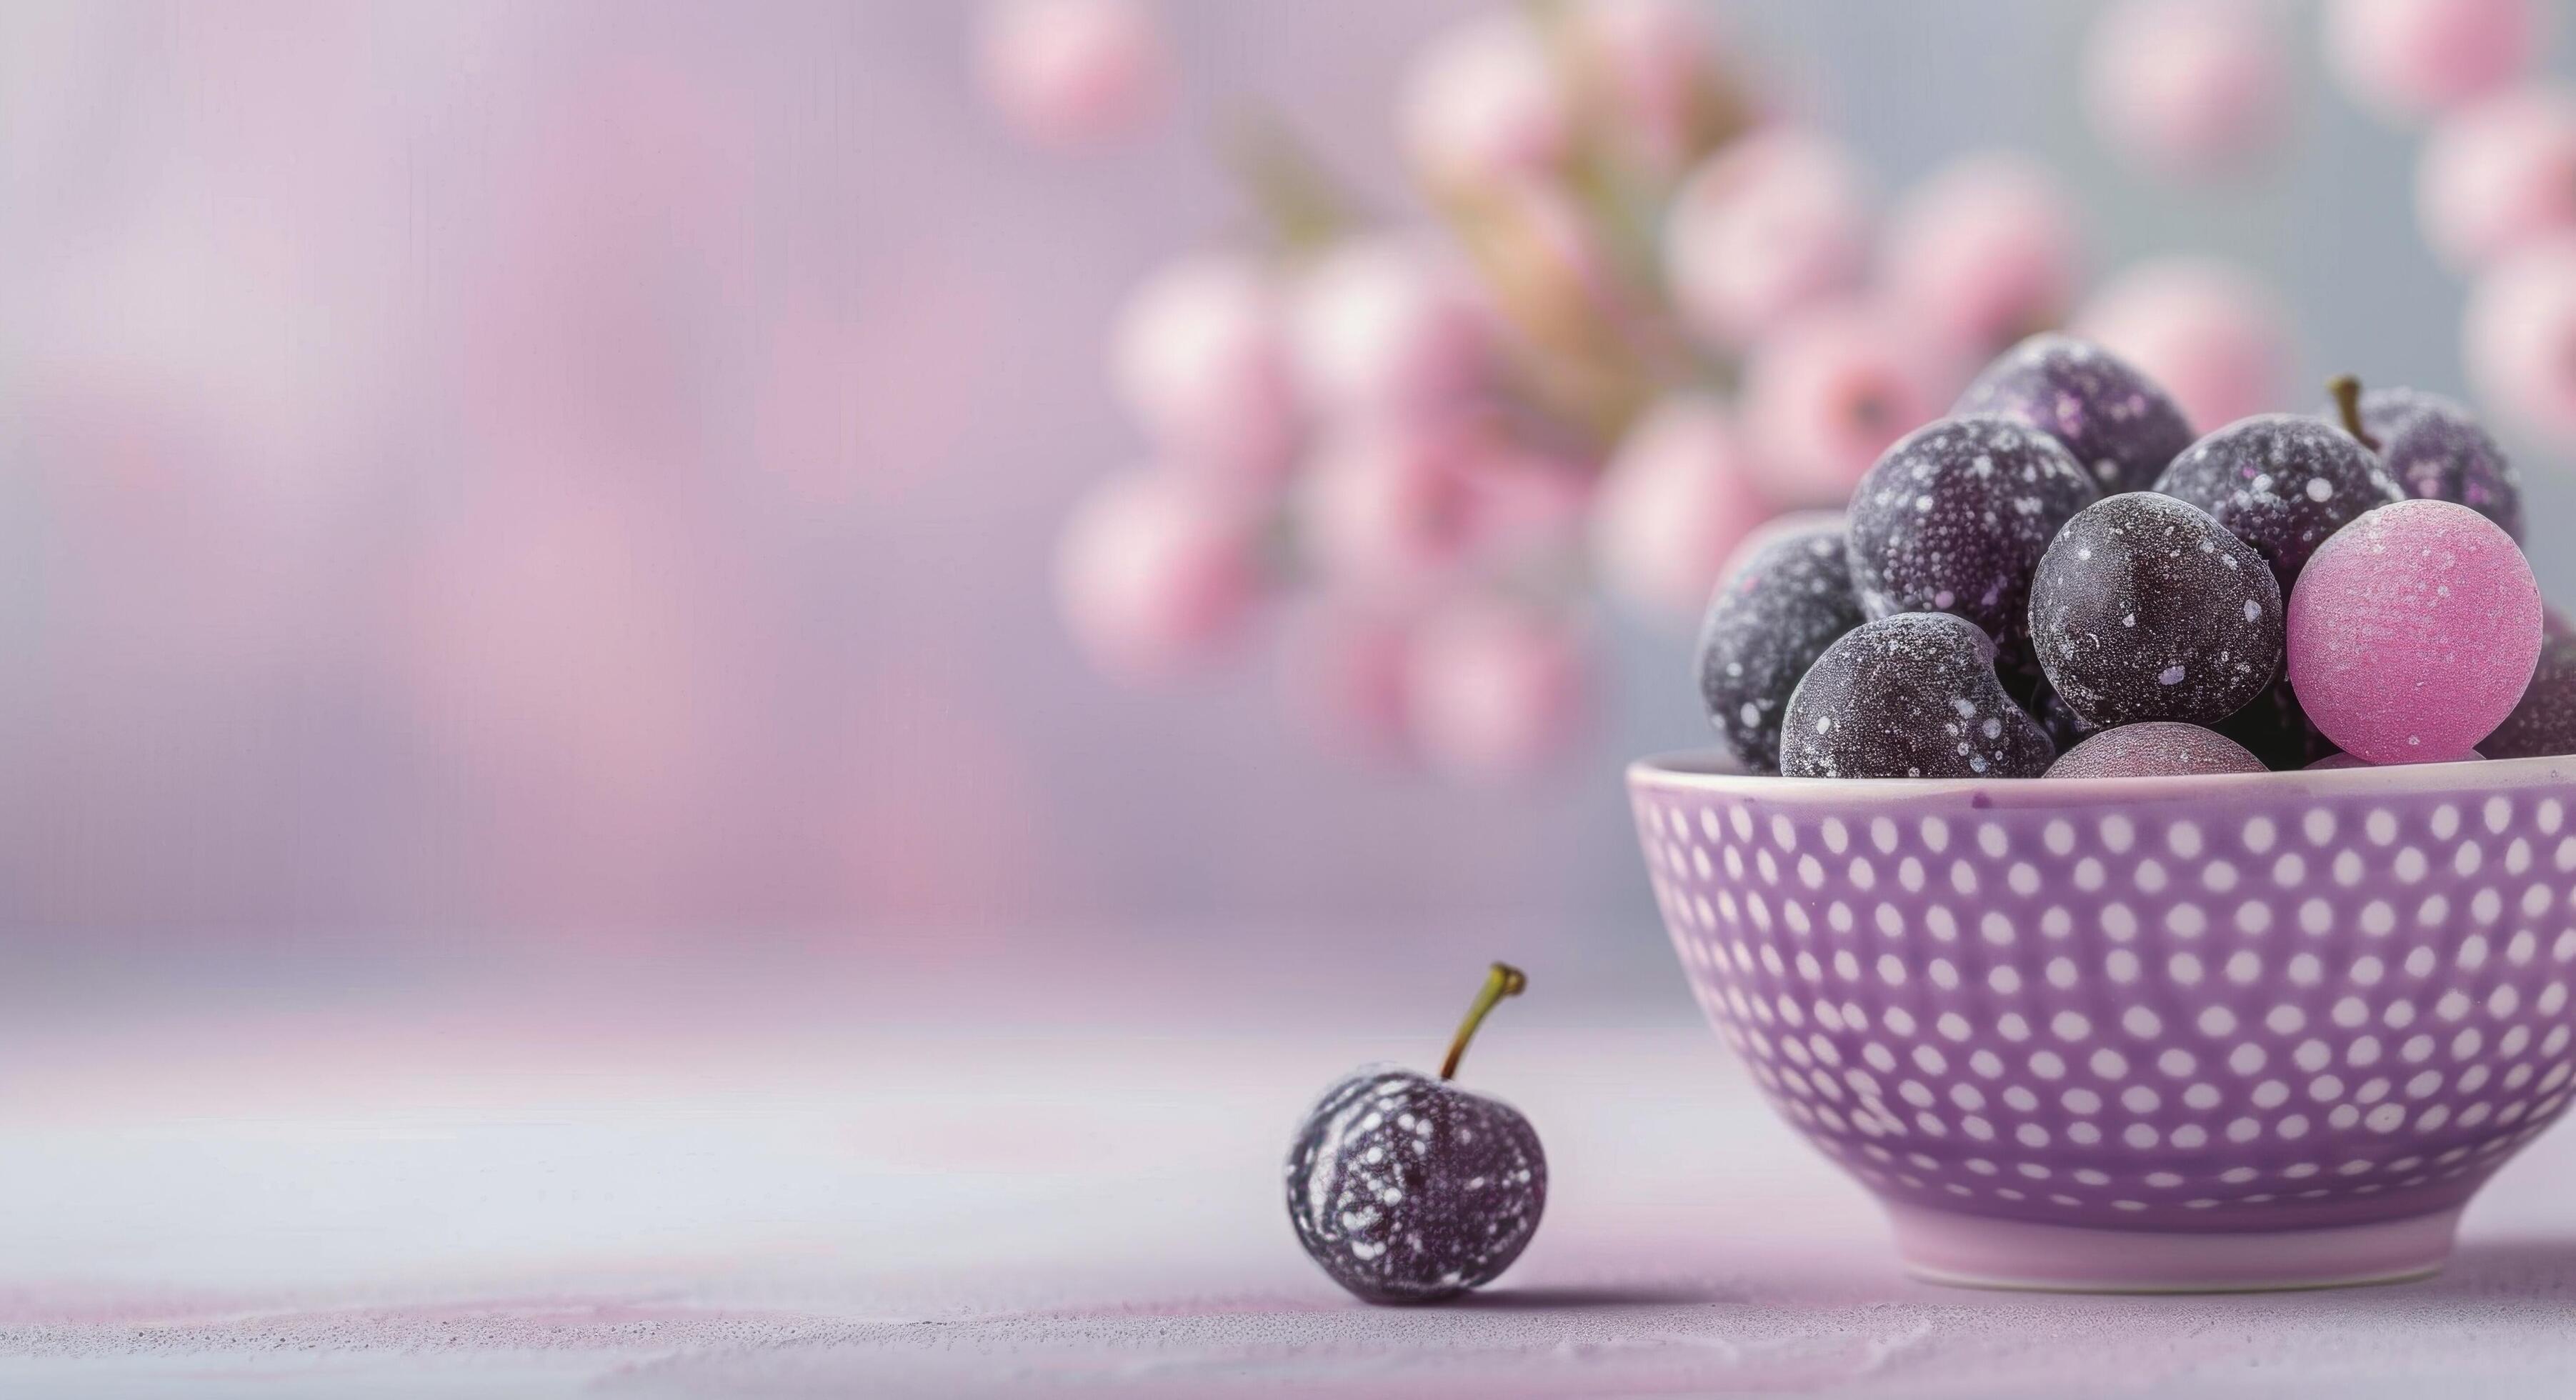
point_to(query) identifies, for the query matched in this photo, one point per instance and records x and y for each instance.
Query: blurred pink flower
(1388, 507)
(1497, 690)
(1200, 357)
(1677, 498)
(2211, 333)
(1344, 665)
(1385, 325)
(1984, 251)
(2498, 175)
(2413, 58)
(1157, 571)
(2191, 88)
(2519, 337)
(1654, 62)
(1072, 72)
(1483, 101)
(1768, 225)
(1828, 393)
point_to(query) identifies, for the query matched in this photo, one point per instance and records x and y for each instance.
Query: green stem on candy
(1501, 980)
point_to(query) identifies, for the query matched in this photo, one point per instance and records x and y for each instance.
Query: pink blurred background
(580, 481)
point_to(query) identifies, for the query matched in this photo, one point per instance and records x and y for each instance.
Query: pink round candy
(2413, 631)
(2156, 749)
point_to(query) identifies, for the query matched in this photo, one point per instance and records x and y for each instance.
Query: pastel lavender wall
(592, 468)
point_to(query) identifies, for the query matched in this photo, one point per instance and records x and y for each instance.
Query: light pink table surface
(517, 1203)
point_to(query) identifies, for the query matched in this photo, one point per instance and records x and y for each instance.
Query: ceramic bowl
(2250, 1031)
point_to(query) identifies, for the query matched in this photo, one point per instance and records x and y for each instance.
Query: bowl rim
(1704, 770)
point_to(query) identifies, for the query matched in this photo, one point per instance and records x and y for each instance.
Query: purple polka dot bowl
(2263, 1030)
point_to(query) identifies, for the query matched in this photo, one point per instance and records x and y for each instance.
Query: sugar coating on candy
(1786, 596)
(1910, 696)
(2544, 720)
(2414, 632)
(1954, 517)
(2145, 608)
(2275, 728)
(2435, 450)
(2118, 424)
(1408, 1190)
(2281, 482)
(2156, 749)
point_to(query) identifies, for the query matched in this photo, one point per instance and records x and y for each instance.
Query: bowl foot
(1978, 1252)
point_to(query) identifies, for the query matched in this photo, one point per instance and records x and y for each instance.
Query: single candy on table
(2544, 721)
(2120, 426)
(2145, 608)
(1910, 696)
(2414, 632)
(2155, 749)
(1408, 1189)
(2281, 482)
(2434, 450)
(1786, 597)
(1954, 518)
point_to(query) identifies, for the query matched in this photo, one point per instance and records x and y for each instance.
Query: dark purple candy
(1784, 600)
(2116, 422)
(1954, 517)
(2276, 730)
(2155, 750)
(2544, 721)
(2434, 449)
(1410, 1190)
(2065, 728)
(2281, 482)
(1910, 696)
(2144, 608)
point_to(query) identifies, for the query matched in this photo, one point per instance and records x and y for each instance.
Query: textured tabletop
(455, 1210)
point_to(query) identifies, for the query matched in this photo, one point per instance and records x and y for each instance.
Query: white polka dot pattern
(2258, 1009)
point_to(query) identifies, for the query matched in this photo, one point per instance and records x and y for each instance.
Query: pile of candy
(2057, 581)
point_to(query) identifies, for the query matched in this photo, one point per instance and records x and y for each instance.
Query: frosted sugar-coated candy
(2276, 729)
(2434, 448)
(2145, 608)
(2413, 632)
(2156, 749)
(1910, 696)
(1954, 517)
(2545, 720)
(2281, 482)
(2120, 426)
(1785, 597)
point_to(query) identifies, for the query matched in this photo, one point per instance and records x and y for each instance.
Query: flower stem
(1501, 980)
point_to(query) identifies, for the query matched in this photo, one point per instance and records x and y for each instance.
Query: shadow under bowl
(2264, 1030)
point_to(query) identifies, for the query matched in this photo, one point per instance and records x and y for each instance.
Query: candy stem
(2346, 390)
(1502, 980)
